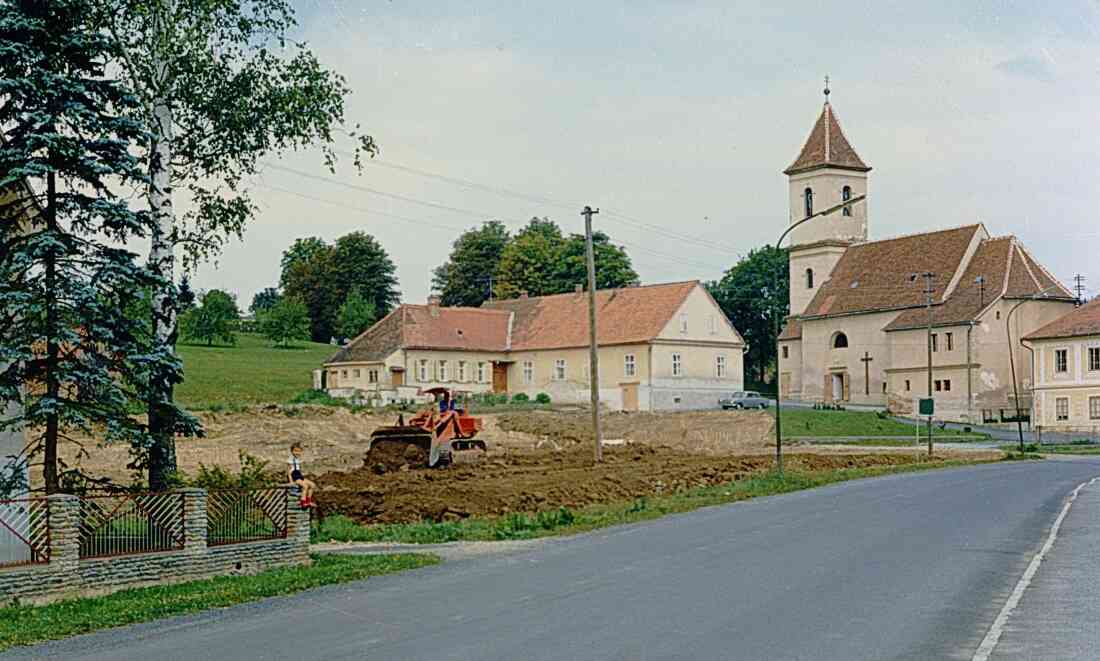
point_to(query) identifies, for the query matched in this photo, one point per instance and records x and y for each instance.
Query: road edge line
(993, 636)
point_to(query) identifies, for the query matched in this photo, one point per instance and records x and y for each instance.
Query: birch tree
(222, 84)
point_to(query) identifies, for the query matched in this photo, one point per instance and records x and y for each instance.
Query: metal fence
(130, 524)
(245, 515)
(24, 532)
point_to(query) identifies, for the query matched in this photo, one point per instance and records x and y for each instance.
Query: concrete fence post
(64, 525)
(297, 524)
(194, 519)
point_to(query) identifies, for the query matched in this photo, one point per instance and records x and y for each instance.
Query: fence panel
(245, 515)
(24, 532)
(129, 524)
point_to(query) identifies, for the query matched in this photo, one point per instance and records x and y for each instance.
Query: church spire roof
(827, 146)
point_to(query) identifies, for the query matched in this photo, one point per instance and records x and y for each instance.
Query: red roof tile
(875, 276)
(827, 147)
(626, 316)
(793, 329)
(1085, 320)
(429, 327)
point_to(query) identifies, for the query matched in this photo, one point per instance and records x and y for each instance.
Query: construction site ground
(536, 460)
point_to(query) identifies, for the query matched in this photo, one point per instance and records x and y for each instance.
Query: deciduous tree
(356, 315)
(464, 278)
(265, 299)
(285, 322)
(527, 263)
(215, 320)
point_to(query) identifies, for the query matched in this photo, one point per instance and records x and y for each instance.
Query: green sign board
(926, 406)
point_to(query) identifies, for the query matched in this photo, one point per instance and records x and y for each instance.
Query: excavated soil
(531, 480)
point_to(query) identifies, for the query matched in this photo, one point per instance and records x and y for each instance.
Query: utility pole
(593, 353)
(928, 290)
(1079, 288)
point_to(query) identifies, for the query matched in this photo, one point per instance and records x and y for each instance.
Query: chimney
(433, 305)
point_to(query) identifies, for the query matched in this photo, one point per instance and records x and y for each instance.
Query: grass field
(253, 372)
(801, 422)
(24, 625)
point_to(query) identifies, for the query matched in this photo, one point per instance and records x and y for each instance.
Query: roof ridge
(913, 234)
(606, 289)
(465, 308)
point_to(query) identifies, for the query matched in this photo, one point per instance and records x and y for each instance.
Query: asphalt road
(911, 566)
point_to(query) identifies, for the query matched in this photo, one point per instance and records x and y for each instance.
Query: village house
(858, 330)
(665, 346)
(1065, 362)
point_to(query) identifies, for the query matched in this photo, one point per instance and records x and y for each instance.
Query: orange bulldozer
(431, 436)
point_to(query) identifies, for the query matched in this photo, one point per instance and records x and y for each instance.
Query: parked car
(745, 400)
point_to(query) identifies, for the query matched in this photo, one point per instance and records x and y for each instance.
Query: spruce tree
(70, 357)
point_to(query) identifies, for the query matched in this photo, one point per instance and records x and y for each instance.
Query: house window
(1061, 408)
(677, 365)
(355, 373)
(947, 385)
(883, 387)
(443, 376)
(343, 374)
(809, 278)
(1094, 408)
(683, 323)
(786, 351)
(529, 372)
(422, 370)
(559, 369)
(939, 385)
(462, 371)
(372, 376)
(845, 195)
(935, 342)
(808, 201)
(1061, 360)
(1094, 359)
(720, 367)
(840, 341)
(950, 339)
(998, 314)
(907, 385)
(629, 367)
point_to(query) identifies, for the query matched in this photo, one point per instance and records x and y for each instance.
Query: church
(860, 308)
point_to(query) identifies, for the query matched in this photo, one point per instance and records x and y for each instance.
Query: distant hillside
(253, 372)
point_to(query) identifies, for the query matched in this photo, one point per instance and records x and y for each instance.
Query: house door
(500, 377)
(630, 396)
(398, 378)
(838, 387)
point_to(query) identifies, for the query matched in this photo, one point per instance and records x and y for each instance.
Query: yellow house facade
(660, 347)
(1066, 364)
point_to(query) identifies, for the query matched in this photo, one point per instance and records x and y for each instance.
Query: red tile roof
(793, 329)
(875, 276)
(1085, 320)
(626, 316)
(827, 147)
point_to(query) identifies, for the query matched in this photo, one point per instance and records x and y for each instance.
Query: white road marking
(995, 631)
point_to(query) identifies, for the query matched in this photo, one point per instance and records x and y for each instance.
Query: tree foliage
(751, 294)
(465, 277)
(215, 320)
(185, 296)
(356, 315)
(302, 250)
(285, 322)
(70, 358)
(541, 261)
(326, 278)
(265, 299)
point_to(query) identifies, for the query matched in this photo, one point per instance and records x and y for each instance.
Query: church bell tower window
(808, 198)
(809, 278)
(845, 195)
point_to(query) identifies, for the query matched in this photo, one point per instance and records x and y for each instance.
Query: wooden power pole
(593, 353)
(928, 291)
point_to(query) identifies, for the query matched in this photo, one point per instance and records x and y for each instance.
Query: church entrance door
(838, 387)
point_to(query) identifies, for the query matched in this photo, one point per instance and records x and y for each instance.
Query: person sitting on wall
(294, 473)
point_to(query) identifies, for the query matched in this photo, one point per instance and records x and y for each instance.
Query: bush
(542, 398)
(520, 398)
(254, 473)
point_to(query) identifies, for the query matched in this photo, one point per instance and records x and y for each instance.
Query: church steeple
(827, 172)
(827, 146)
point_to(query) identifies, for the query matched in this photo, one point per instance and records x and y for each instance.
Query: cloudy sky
(676, 119)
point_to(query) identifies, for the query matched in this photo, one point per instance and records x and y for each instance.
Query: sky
(676, 120)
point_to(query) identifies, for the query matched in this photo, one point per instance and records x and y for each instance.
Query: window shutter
(847, 387)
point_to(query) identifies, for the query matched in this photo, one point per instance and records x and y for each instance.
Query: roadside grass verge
(24, 625)
(1062, 448)
(565, 521)
(809, 422)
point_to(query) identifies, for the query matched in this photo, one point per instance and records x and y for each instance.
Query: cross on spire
(826, 88)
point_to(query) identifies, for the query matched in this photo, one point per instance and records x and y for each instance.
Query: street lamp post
(775, 288)
(1012, 362)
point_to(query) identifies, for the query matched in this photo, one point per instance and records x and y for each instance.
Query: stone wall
(66, 575)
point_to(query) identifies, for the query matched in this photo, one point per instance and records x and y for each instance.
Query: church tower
(826, 172)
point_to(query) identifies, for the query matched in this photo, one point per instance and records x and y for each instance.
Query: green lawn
(253, 372)
(808, 422)
(564, 521)
(24, 625)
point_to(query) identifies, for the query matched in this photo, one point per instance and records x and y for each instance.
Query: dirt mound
(533, 480)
